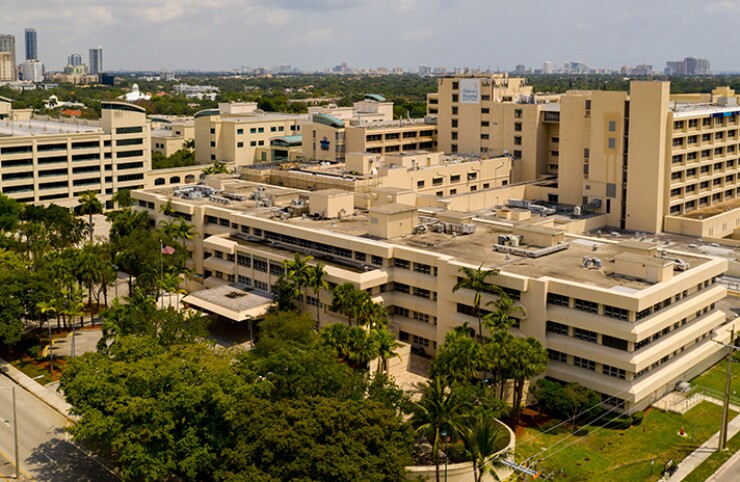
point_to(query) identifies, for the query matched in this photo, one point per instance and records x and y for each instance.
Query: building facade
(96, 61)
(240, 133)
(629, 324)
(42, 160)
(32, 46)
(8, 66)
(493, 115)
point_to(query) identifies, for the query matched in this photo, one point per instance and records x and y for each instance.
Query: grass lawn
(712, 381)
(714, 462)
(620, 455)
(39, 371)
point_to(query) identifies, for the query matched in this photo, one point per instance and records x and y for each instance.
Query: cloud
(317, 5)
(319, 36)
(416, 35)
(724, 6)
(404, 5)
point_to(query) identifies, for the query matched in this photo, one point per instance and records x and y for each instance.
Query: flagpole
(161, 274)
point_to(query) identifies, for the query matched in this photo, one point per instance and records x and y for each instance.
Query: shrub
(637, 417)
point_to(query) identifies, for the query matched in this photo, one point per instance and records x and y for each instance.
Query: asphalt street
(47, 453)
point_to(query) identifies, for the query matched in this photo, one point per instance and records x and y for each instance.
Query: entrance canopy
(236, 302)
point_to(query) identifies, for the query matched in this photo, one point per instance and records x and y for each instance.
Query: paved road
(46, 451)
(728, 472)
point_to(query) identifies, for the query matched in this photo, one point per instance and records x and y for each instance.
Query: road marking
(25, 474)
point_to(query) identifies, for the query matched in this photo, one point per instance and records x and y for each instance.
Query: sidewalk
(52, 399)
(703, 452)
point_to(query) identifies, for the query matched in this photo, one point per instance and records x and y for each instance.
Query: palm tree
(344, 300)
(501, 318)
(123, 198)
(216, 168)
(317, 283)
(475, 280)
(90, 204)
(189, 144)
(481, 434)
(386, 345)
(438, 409)
(527, 358)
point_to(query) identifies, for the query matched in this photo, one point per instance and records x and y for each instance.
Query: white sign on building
(469, 91)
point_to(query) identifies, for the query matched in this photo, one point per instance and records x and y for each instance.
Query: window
(260, 264)
(453, 123)
(555, 327)
(613, 372)
(559, 356)
(693, 122)
(423, 317)
(517, 140)
(518, 126)
(518, 113)
(437, 181)
(517, 154)
(485, 123)
(455, 178)
(401, 263)
(613, 342)
(585, 335)
(419, 184)
(614, 312)
(422, 268)
(612, 126)
(612, 143)
(584, 363)
(559, 300)
(678, 125)
(587, 306)
(244, 260)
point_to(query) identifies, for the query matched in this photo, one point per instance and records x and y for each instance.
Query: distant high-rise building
(33, 71)
(74, 60)
(32, 46)
(520, 69)
(425, 70)
(547, 67)
(96, 61)
(7, 57)
(688, 66)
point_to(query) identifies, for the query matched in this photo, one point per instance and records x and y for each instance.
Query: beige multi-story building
(169, 136)
(651, 161)
(8, 66)
(493, 115)
(44, 160)
(428, 173)
(368, 126)
(240, 133)
(626, 318)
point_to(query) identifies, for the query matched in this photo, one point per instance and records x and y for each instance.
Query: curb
(37, 390)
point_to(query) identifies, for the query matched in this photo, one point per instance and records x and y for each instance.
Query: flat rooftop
(474, 249)
(692, 110)
(44, 127)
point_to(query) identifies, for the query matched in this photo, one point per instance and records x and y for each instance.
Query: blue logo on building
(324, 143)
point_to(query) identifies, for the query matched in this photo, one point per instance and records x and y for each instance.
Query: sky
(318, 34)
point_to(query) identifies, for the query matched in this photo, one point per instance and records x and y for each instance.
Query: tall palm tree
(297, 271)
(504, 307)
(317, 283)
(475, 280)
(439, 408)
(123, 198)
(344, 300)
(386, 345)
(481, 433)
(527, 358)
(90, 204)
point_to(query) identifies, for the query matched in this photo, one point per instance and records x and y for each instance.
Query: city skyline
(163, 35)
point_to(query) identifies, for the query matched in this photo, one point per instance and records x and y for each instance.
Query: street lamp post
(444, 436)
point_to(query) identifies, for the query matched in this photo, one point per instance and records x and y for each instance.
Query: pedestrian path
(52, 399)
(703, 452)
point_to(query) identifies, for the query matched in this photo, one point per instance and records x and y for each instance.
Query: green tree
(317, 283)
(386, 345)
(483, 436)
(526, 358)
(345, 300)
(459, 360)
(216, 168)
(440, 408)
(90, 204)
(123, 198)
(501, 318)
(475, 280)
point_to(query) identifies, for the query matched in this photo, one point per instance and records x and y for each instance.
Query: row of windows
(418, 267)
(415, 315)
(415, 291)
(705, 122)
(587, 364)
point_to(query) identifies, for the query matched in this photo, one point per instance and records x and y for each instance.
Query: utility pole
(726, 405)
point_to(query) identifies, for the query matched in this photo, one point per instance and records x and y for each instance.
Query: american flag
(167, 249)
